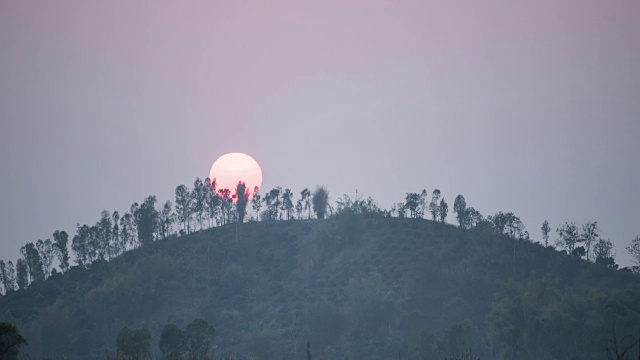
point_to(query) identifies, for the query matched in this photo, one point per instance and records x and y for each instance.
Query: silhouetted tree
(116, 250)
(10, 341)
(173, 342)
(33, 261)
(320, 201)
(569, 236)
(412, 202)
(634, 250)
(61, 249)
(199, 201)
(508, 224)
(545, 232)
(166, 220)
(80, 245)
(434, 206)
(104, 234)
(45, 250)
(590, 234)
(256, 204)
(128, 232)
(226, 203)
(242, 199)
(287, 203)
(183, 207)
(443, 210)
(213, 202)
(305, 196)
(199, 335)
(460, 208)
(22, 274)
(134, 343)
(603, 253)
(146, 219)
(7, 276)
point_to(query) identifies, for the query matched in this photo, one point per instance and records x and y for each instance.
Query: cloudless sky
(531, 107)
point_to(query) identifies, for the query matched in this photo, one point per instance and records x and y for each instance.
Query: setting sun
(230, 169)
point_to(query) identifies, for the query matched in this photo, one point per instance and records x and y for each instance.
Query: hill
(358, 286)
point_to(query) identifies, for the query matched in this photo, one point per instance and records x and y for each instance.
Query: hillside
(353, 285)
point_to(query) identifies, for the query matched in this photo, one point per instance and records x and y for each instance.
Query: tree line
(204, 206)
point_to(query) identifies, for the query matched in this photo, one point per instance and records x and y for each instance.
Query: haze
(525, 107)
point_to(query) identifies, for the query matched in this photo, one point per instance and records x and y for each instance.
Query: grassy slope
(260, 283)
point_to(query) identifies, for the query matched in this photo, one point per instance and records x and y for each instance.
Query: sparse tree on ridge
(434, 205)
(460, 208)
(33, 261)
(287, 203)
(603, 253)
(320, 201)
(242, 199)
(146, 219)
(60, 247)
(7, 276)
(183, 207)
(256, 204)
(116, 250)
(22, 274)
(104, 229)
(412, 202)
(545, 232)
(45, 250)
(569, 237)
(299, 208)
(199, 201)
(213, 202)
(305, 196)
(166, 220)
(590, 234)
(634, 250)
(443, 210)
(127, 231)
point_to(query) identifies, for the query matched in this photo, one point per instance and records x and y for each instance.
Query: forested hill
(367, 287)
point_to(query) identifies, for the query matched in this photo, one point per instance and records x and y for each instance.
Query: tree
(33, 261)
(183, 207)
(45, 250)
(287, 202)
(213, 201)
(634, 250)
(128, 232)
(603, 252)
(474, 217)
(320, 201)
(60, 247)
(199, 336)
(22, 274)
(242, 199)
(134, 343)
(10, 341)
(199, 195)
(460, 208)
(305, 196)
(7, 276)
(256, 204)
(434, 207)
(104, 234)
(590, 234)
(568, 236)
(443, 210)
(166, 220)
(508, 224)
(116, 250)
(146, 218)
(545, 232)
(173, 342)
(412, 202)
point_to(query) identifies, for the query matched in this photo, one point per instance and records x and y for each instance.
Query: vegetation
(364, 281)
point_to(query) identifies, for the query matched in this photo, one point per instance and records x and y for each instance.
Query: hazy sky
(524, 106)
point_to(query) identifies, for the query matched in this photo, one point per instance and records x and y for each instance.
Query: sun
(230, 169)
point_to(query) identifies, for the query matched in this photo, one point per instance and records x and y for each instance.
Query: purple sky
(531, 107)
